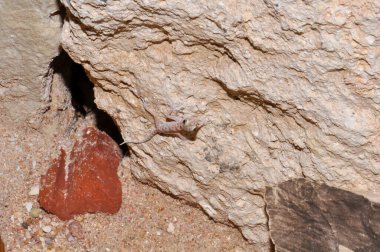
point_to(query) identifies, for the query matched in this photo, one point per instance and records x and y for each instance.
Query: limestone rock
(288, 90)
(305, 216)
(29, 41)
(85, 180)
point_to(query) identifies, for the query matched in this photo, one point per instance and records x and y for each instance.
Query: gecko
(179, 126)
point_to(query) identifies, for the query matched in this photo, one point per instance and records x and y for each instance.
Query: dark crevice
(83, 98)
(61, 11)
(272, 247)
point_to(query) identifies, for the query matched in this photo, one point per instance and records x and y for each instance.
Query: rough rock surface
(288, 90)
(85, 180)
(305, 216)
(28, 43)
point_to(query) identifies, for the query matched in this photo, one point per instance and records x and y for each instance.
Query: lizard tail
(140, 142)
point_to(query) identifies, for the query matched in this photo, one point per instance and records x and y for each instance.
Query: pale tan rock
(28, 43)
(288, 90)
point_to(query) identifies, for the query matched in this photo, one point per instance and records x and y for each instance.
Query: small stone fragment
(49, 244)
(238, 249)
(170, 228)
(17, 215)
(46, 229)
(34, 190)
(70, 238)
(48, 241)
(28, 206)
(76, 230)
(84, 180)
(59, 249)
(35, 212)
(28, 235)
(25, 225)
(54, 224)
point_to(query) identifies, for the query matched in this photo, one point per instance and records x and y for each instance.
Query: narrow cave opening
(83, 97)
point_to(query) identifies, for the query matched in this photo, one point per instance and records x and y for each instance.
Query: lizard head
(191, 124)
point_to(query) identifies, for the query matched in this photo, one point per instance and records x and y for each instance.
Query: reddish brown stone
(86, 181)
(1, 245)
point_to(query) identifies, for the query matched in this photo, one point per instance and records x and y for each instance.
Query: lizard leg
(179, 135)
(175, 118)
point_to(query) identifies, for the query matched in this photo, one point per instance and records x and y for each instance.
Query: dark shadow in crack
(83, 98)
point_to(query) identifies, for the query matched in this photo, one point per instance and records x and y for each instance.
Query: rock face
(288, 90)
(305, 216)
(85, 180)
(28, 43)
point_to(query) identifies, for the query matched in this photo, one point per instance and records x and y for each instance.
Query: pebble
(28, 206)
(28, 236)
(25, 225)
(54, 224)
(46, 229)
(35, 212)
(17, 215)
(76, 229)
(170, 228)
(70, 238)
(35, 190)
(59, 249)
(48, 241)
(238, 249)
(49, 244)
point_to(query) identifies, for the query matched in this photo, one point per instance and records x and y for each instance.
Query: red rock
(86, 181)
(1, 245)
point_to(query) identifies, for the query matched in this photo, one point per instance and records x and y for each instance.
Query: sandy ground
(147, 221)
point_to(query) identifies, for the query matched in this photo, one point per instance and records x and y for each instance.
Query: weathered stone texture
(29, 40)
(288, 89)
(305, 216)
(85, 180)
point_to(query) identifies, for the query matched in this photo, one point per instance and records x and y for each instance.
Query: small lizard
(179, 126)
